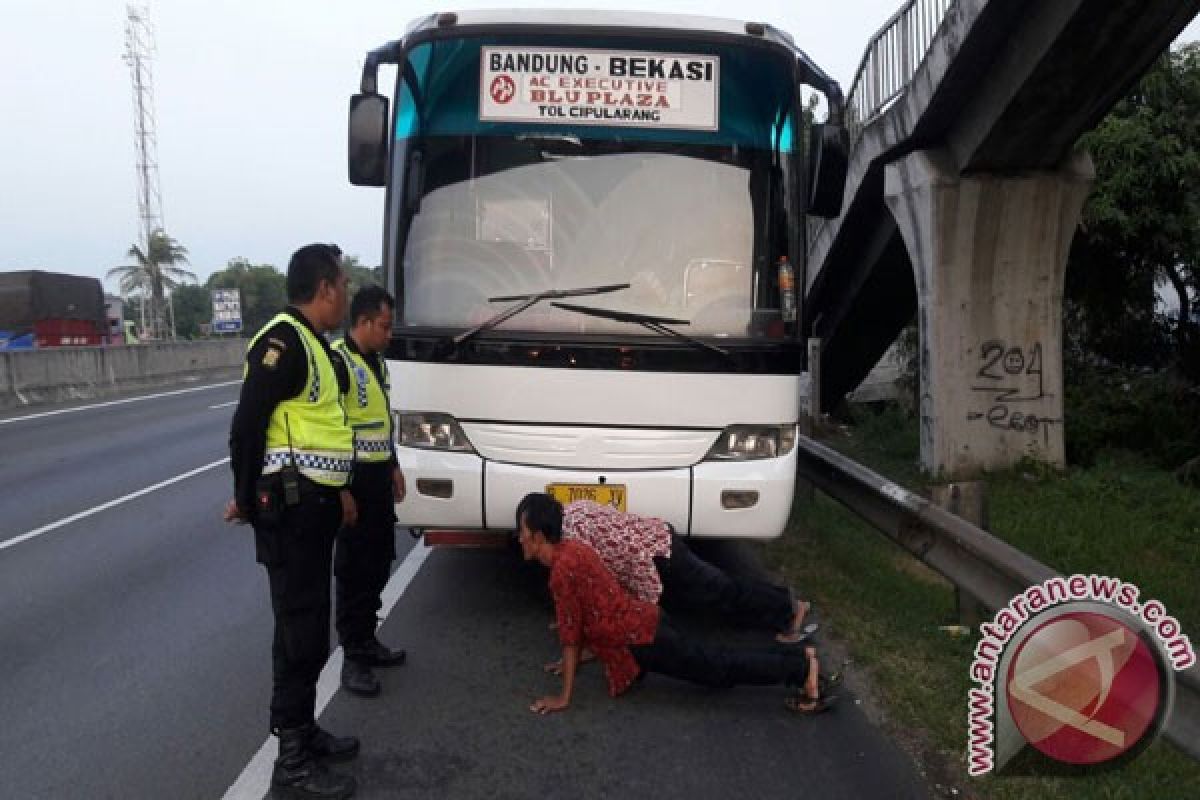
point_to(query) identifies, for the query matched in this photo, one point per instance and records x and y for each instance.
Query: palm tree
(154, 273)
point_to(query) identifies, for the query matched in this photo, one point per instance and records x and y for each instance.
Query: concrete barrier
(68, 373)
(5, 378)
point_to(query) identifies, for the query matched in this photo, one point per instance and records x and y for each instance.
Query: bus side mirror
(368, 140)
(827, 162)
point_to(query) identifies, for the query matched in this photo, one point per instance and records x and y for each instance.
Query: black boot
(299, 775)
(374, 653)
(327, 747)
(357, 678)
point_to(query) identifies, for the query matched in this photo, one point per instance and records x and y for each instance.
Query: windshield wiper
(526, 301)
(656, 324)
(550, 138)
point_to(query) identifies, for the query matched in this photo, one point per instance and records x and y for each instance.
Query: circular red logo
(1084, 688)
(503, 89)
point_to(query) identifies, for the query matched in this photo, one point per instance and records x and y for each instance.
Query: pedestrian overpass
(963, 193)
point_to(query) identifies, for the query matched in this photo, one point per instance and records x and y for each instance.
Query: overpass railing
(892, 57)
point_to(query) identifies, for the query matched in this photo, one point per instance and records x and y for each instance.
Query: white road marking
(255, 780)
(105, 506)
(117, 402)
(225, 405)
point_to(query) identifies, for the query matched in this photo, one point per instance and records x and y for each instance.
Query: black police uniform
(365, 551)
(296, 552)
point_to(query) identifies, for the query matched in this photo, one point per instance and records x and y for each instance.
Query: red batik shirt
(626, 542)
(595, 612)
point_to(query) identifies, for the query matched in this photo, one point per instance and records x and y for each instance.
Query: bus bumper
(695, 500)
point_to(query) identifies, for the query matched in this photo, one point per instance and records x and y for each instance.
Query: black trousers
(297, 555)
(680, 656)
(364, 554)
(690, 581)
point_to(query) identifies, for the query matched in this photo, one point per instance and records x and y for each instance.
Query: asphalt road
(135, 637)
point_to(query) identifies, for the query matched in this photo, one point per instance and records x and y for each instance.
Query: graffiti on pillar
(1011, 387)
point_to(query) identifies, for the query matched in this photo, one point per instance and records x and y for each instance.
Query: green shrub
(1156, 414)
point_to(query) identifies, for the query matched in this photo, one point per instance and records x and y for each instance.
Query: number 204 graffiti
(1009, 380)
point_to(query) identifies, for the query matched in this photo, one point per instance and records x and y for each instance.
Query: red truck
(54, 309)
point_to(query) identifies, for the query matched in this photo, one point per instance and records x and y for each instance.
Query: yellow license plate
(608, 494)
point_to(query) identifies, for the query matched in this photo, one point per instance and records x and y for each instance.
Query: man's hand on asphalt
(349, 508)
(548, 705)
(556, 667)
(234, 514)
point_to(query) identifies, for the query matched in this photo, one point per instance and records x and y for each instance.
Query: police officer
(292, 450)
(365, 551)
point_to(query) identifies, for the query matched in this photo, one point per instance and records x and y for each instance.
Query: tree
(263, 290)
(361, 276)
(193, 308)
(154, 273)
(1141, 224)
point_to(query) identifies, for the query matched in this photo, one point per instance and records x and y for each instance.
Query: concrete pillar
(989, 253)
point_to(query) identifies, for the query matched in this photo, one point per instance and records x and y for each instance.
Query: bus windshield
(525, 164)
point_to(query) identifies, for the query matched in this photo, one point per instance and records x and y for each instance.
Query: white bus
(594, 223)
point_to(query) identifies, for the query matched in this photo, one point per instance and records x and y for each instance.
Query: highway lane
(455, 722)
(55, 466)
(134, 641)
(134, 652)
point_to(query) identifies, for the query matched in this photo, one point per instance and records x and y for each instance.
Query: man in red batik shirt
(630, 636)
(651, 561)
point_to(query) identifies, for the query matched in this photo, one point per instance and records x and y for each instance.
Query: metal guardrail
(988, 569)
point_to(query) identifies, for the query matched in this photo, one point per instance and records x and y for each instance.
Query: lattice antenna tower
(139, 55)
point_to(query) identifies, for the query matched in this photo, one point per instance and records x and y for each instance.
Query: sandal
(804, 701)
(798, 632)
(803, 704)
(798, 636)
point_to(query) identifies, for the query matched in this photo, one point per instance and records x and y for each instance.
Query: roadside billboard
(226, 311)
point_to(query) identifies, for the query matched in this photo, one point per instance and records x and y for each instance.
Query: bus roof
(570, 18)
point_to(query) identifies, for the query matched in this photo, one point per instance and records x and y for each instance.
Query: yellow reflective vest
(311, 429)
(367, 405)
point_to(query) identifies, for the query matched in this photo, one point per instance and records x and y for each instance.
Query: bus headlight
(751, 442)
(431, 432)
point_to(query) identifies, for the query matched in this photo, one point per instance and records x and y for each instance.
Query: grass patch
(1122, 517)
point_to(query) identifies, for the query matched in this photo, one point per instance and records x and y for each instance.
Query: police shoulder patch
(271, 357)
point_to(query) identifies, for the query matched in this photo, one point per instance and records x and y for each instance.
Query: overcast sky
(251, 101)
